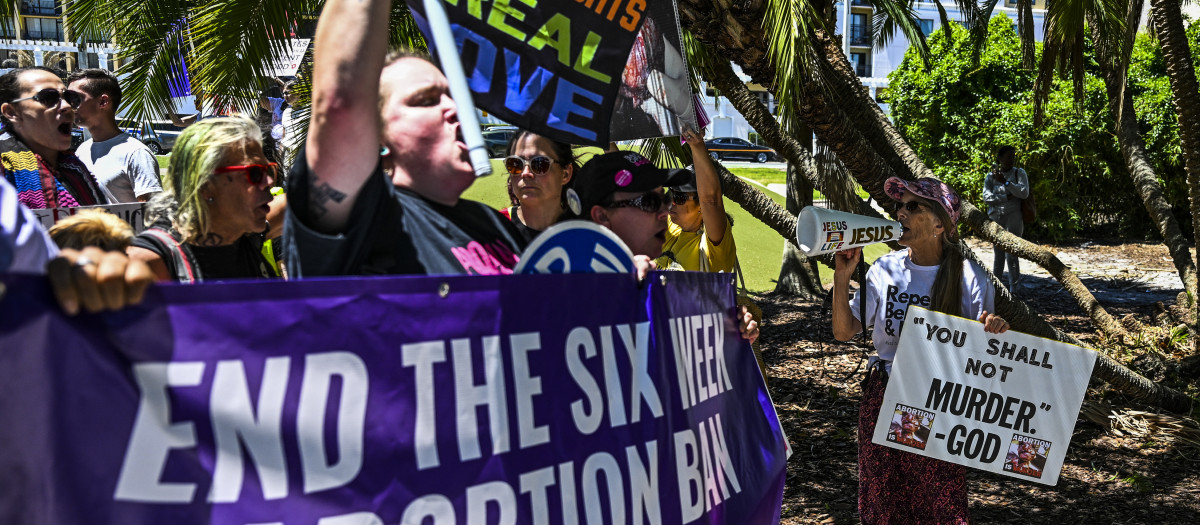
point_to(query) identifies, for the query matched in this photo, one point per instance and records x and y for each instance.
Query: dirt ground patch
(1106, 478)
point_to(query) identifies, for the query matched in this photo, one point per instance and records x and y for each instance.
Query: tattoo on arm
(319, 196)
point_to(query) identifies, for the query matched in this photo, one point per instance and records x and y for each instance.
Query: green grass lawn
(760, 249)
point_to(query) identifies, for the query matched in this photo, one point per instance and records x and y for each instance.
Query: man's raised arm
(343, 136)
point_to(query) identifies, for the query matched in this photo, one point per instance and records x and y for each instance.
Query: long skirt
(896, 487)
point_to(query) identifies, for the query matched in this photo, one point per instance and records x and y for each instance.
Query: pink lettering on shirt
(495, 258)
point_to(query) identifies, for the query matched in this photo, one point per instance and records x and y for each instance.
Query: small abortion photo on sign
(910, 427)
(1027, 456)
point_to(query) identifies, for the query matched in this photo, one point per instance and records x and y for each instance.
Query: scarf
(71, 184)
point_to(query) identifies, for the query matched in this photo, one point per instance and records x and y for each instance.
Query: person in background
(125, 168)
(288, 136)
(92, 279)
(539, 175)
(358, 208)
(1003, 189)
(270, 118)
(38, 113)
(933, 272)
(211, 220)
(93, 227)
(699, 232)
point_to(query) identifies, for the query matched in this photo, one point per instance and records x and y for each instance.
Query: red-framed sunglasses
(255, 173)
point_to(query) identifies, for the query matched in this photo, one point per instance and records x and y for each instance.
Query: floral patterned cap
(928, 188)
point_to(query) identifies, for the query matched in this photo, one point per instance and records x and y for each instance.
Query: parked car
(158, 135)
(78, 135)
(735, 148)
(496, 139)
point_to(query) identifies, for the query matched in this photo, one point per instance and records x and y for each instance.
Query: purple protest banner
(515, 399)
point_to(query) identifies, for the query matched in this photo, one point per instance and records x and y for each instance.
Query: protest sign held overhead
(396, 400)
(551, 67)
(656, 99)
(288, 63)
(1003, 403)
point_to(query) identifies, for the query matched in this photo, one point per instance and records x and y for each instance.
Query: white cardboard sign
(289, 63)
(132, 213)
(1003, 403)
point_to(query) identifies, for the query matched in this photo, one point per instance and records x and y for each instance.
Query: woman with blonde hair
(211, 220)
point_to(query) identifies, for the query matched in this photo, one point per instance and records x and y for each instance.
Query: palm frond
(228, 45)
(891, 16)
(976, 17)
(1066, 30)
(402, 29)
(945, 22)
(789, 26)
(1025, 31)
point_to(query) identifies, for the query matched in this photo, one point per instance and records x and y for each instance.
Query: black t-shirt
(395, 231)
(241, 260)
(526, 232)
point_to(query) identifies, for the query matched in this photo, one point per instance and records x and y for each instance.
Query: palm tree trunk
(798, 274)
(1145, 180)
(1168, 24)
(840, 191)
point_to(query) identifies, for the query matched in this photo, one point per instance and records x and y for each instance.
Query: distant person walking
(125, 168)
(1003, 189)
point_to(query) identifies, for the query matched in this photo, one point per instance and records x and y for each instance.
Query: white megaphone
(820, 231)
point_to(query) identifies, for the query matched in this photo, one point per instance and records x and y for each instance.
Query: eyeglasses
(50, 97)
(680, 197)
(650, 202)
(255, 173)
(911, 206)
(538, 164)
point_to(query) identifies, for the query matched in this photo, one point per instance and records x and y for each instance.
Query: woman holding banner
(38, 113)
(539, 176)
(896, 486)
(211, 220)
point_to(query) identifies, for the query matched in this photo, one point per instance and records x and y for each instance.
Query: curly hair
(198, 152)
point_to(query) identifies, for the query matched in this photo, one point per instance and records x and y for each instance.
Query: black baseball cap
(626, 171)
(685, 184)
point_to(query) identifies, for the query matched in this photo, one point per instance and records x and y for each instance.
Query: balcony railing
(860, 35)
(40, 9)
(860, 2)
(862, 69)
(55, 36)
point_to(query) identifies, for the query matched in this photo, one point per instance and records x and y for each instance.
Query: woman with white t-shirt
(933, 274)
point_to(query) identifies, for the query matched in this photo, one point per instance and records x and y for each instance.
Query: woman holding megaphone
(933, 274)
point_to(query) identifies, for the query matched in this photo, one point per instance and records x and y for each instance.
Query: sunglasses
(255, 173)
(650, 202)
(538, 164)
(50, 97)
(911, 206)
(680, 197)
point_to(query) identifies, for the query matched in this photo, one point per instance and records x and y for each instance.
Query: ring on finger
(83, 260)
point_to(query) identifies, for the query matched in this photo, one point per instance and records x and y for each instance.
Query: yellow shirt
(685, 249)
